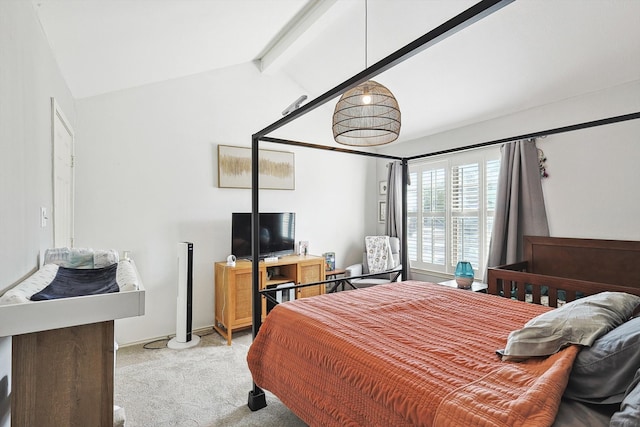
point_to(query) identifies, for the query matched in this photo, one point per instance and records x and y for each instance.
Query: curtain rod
(540, 134)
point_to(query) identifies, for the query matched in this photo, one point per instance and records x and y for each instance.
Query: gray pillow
(602, 373)
(629, 412)
(579, 322)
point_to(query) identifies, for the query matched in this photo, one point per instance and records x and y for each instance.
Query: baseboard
(200, 331)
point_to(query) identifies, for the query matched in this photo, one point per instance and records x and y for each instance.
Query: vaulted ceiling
(530, 53)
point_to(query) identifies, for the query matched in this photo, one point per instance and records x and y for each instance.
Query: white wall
(591, 191)
(147, 179)
(29, 77)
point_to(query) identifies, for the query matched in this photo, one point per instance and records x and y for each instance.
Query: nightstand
(475, 286)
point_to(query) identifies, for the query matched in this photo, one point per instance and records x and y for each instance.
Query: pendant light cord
(366, 33)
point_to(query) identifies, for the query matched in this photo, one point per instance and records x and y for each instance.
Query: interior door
(63, 177)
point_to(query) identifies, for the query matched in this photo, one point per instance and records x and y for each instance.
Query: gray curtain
(520, 207)
(393, 225)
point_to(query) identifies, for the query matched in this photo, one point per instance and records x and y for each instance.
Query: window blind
(450, 207)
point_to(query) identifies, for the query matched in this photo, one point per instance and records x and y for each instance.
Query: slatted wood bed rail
(566, 268)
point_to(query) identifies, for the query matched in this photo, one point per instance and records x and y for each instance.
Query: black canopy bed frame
(256, 399)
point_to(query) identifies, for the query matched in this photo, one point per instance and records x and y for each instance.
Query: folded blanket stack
(81, 257)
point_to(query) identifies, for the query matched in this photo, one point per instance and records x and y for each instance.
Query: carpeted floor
(203, 386)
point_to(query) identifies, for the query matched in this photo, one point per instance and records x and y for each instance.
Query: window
(450, 208)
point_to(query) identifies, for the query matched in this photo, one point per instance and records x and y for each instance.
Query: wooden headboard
(570, 266)
(606, 261)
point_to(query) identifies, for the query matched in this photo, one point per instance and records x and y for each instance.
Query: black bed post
(404, 242)
(257, 399)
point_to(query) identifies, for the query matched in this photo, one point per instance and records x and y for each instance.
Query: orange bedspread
(408, 353)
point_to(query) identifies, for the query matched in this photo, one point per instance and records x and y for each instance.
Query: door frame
(58, 116)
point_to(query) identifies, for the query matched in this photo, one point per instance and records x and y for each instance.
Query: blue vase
(464, 274)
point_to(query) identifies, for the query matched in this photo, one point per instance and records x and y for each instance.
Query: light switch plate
(43, 217)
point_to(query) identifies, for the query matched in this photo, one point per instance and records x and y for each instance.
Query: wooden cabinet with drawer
(233, 306)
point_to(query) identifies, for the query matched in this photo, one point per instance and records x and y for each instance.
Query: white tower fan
(184, 338)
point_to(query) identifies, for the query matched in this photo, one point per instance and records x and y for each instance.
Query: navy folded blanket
(74, 282)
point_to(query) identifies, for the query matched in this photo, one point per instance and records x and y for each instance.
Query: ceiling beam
(293, 36)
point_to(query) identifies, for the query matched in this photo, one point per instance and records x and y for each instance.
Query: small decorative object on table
(329, 261)
(464, 274)
(303, 247)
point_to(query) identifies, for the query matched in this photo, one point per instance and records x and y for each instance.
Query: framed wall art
(382, 186)
(382, 211)
(277, 168)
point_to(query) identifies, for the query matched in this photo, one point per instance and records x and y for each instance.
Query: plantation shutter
(450, 209)
(412, 217)
(434, 197)
(465, 214)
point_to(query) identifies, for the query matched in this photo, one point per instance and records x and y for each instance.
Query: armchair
(356, 270)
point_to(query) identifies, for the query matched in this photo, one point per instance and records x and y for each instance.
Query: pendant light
(368, 114)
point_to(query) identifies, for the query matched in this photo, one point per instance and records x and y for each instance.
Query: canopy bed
(328, 373)
(415, 353)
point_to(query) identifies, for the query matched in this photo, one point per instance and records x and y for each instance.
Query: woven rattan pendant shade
(366, 115)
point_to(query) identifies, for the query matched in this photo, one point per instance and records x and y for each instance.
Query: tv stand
(233, 293)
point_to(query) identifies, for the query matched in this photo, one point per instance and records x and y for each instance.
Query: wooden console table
(233, 294)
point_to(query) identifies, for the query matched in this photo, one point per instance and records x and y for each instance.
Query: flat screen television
(277, 234)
